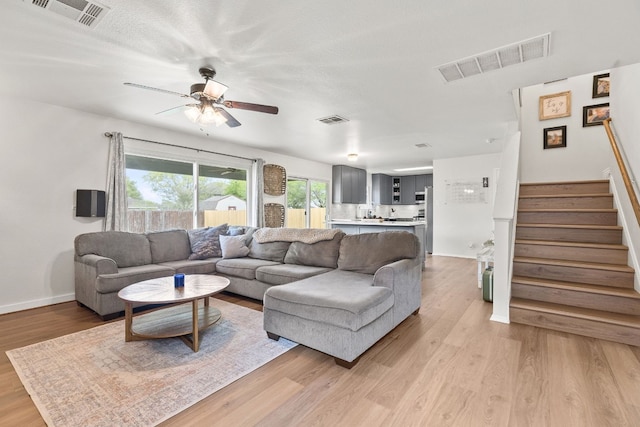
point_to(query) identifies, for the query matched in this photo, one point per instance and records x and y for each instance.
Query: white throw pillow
(233, 246)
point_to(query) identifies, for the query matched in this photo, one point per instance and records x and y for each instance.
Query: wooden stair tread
(568, 210)
(581, 287)
(627, 320)
(574, 226)
(562, 196)
(578, 264)
(572, 244)
(588, 181)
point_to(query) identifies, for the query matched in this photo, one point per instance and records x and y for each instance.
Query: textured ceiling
(373, 62)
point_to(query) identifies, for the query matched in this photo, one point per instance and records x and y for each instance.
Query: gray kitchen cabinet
(408, 190)
(381, 189)
(349, 185)
(421, 182)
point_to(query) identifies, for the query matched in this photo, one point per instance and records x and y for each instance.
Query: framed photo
(555, 137)
(601, 85)
(555, 105)
(594, 115)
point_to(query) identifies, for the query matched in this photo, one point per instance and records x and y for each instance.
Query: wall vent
(333, 120)
(87, 13)
(517, 53)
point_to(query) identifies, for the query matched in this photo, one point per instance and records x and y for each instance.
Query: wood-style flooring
(447, 366)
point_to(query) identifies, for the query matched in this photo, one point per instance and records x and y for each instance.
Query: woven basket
(275, 180)
(273, 215)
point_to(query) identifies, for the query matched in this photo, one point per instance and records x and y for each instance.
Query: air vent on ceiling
(423, 145)
(537, 47)
(333, 120)
(87, 13)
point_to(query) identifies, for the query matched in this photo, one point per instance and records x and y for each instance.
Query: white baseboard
(26, 305)
(501, 319)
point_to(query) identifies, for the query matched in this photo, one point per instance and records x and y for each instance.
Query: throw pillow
(233, 246)
(205, 242)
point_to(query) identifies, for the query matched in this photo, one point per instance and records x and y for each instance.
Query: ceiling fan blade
(175, 109)
(157, 89)
(231, 121)
(252, 107)
(214, 90)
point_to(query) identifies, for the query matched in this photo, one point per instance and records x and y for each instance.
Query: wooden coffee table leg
(128, 321)
(195, 335)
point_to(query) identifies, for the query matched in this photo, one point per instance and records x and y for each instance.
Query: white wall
(586, 155)
(46, 158)
(625, 106)
(457, 226)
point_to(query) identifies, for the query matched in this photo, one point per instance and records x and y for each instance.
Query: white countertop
(376, 222)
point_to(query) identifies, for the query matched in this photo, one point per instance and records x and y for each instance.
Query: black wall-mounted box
(90, 203)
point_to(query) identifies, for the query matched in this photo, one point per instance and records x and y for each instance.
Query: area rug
(95, 378)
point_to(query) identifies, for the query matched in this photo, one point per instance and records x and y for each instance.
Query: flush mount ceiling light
(352, 157)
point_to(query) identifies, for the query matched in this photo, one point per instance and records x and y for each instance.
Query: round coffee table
(176, 319)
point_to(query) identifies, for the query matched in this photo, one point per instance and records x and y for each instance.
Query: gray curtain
(258, 174)
(116, 212)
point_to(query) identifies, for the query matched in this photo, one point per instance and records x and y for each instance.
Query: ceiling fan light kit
(210, 94)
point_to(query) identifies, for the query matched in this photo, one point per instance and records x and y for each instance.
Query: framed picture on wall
(555, 137)
(555, 105)
(601, 85)
(594, 115)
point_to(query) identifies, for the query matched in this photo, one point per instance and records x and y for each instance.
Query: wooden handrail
(623, 170)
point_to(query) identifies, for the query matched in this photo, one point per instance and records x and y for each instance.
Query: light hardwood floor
(449, 365)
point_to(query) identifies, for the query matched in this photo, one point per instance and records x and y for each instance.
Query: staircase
(570, 269)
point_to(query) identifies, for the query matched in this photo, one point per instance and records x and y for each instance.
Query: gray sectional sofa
(321, 288)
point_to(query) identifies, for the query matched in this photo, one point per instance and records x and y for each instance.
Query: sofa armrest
(102, 265)
(404, 278)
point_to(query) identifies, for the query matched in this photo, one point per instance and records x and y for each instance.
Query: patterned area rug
(94, 378)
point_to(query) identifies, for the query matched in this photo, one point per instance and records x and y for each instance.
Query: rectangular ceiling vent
(527, 50)
(87, 13)
(333, 120)
(423, 145)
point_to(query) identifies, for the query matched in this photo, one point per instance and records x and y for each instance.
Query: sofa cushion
(234, 246)
(196, 266)
(356, 253)
(287, 273)
(126, 249)
(205, 242)
(107, 283)
(241, 267)
(272, 251)
(321, 254)
(169, 245)
(341, 298)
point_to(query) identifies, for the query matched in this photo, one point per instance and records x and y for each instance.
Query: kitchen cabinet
(349, 185)
(408, 190)
(380, 189)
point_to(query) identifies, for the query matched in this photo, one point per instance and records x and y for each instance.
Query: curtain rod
(109, 134)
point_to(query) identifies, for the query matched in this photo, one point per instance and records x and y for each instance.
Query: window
(222, 196)
(306, 203)
(161, 194)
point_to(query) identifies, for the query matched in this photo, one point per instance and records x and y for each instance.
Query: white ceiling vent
(333, 120)
(88, 13)
(537, 47)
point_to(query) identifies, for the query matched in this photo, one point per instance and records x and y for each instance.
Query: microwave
(420, 196)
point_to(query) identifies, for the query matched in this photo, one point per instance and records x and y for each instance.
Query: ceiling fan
(210, 96)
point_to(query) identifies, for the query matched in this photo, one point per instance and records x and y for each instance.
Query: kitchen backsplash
(348, 211)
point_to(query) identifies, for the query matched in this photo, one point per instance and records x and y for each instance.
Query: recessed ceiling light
(419, 168)
(352, 157)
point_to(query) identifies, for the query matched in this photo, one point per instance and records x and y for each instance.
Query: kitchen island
(361, 226)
